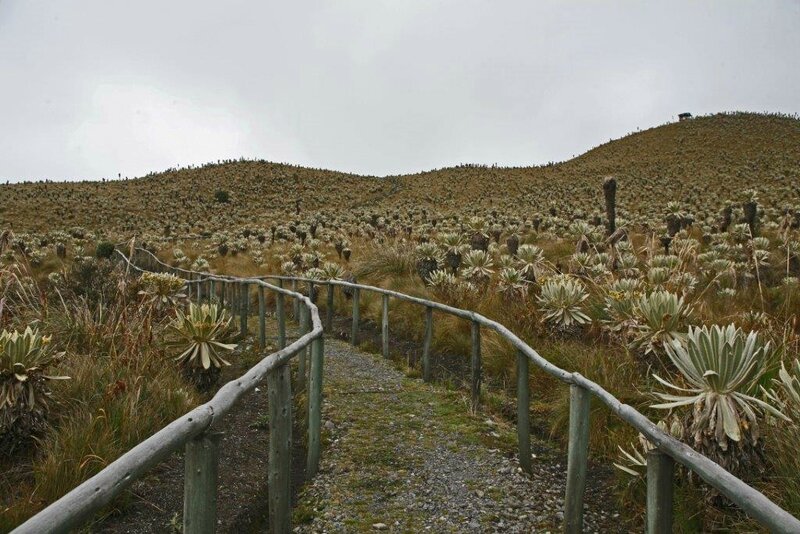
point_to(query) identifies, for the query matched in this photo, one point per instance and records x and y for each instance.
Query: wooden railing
(98, 491)
(196, 431)
(660, 461)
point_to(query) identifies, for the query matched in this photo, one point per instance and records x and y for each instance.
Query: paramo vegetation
(92, 361)
(665, 266)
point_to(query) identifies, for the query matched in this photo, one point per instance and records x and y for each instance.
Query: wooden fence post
(212, 291)
(523, 413)
(301, 357)
(476, 365)
(279, 392)
(426, 345)
(244, 302)
(280, 312)
(577, 458)
(329, 308)
(660, 469)
(296, 304)
(356, 317)
(200, 484)
(385, 325)
(262, 318)
(315, 406)
(222, 290)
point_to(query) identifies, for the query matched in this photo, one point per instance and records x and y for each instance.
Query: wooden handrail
(195, 431)
(749, 499)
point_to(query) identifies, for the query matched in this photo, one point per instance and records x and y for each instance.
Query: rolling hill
(700, 163)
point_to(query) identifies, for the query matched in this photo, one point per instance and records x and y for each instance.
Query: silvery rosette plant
(24, 359)
(199, 335)
(720, 370)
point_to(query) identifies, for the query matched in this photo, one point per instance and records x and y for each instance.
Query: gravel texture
(405, 456)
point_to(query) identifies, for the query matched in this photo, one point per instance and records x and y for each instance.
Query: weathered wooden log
(262, 319)
(302, 356)
(356, 317)
(523, 413)
(280, 313)
(426, 345)
(279, 393)
(659, 492)
(295, 303)
(577, 458)
(476, 366)
(385, 325)
(200, 484)
(315, 406)
(244, 302)
(329, 308)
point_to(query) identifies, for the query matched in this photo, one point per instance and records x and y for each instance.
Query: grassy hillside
(703, 162)
(707, 245)
(700, 163)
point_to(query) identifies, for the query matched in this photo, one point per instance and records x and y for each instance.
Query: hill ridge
(724, 153)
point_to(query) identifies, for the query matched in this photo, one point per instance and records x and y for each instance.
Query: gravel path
(405, 456)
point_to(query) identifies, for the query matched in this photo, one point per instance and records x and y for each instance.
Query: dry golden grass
(701, 163)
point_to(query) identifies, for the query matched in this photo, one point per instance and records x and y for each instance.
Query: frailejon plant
(479, 238)
(478, 266)
(428, 259)
(530, 261)
(634, 461)
(162, 290)
(560, 303)
(512, 285)
(721, 367)
(24, 359)
(332, 271)
(661, 318)
(199, 335)
(454, 248)
(786, 393)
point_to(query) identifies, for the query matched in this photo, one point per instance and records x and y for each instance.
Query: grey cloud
(93, 88)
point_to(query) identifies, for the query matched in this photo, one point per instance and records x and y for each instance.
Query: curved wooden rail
(660, 461)
(196, 431)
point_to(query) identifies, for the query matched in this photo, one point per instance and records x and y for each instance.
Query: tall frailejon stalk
(750, 207)
(610, 192)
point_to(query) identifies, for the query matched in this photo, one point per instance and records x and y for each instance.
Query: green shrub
(104, 250)
(222, 196)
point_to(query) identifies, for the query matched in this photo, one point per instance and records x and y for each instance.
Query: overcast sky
(89, 89)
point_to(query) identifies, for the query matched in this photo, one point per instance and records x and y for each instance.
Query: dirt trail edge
(404, 456)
